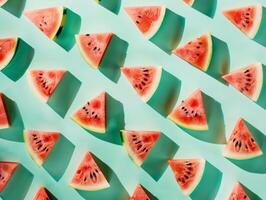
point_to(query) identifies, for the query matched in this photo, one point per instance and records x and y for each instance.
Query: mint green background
(48, 54)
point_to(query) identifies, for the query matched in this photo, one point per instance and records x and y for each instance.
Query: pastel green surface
(37, 115)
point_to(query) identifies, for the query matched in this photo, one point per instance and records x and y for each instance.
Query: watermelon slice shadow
(20, 61)
(157, 160)
(65, 36)
(114, 192)
(14, 132)
(111, 5)
(209, 184)
(114, 58)
(260, 37)
(64, 94)
(59, 158)
(220, 61)
(216, 126)
(206, 7)
(115, 121)
(19, 184)
(166, 95)
(170, 32)
(15, 7)
(257, 164)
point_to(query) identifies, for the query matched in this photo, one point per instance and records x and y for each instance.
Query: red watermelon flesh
(42, 194)
(246, 19)
(2, 2)
(139, 144)
(7, 169)
(48, 20)
(4, 123)
(92, 115)
(144, 80)
(7, 50)
(44, 82)
(93, 47)
(238, 193)
(148, 19)
(247, 80)
(197, 52)
(191, 113)
(89, 176)
(188, 173)
(40, 144)
(139, 194)
(189, 2)
(241, 144)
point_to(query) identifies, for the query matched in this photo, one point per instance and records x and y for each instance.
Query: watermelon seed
(87, 34)
(94, 48)
(134, 136)
(139, 16)
(186, 177)
(137, 22)
(252, 140)
(143, 83)
(38, 142)
(189, 163)
(138, 142)
(89, 44)
(139, 146)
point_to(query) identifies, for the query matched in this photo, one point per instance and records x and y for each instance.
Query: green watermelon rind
(102, 186)
(156, 25)
(241, 156)
(128, 149)
(89, 127)
(32, 154)
(257, 21)
(60, 22)
(10, 56)
(260, 74)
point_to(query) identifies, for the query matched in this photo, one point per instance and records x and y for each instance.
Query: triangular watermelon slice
(89, 176)
(48, 20)
(44, 82)
(247, 19)
(8, 48)
(238, 193)
(42, 194)
(241, 144)
(7, 169)
(197, 52)
(188, 173)
(148, 19)
(145, 80)
(138, 144)
(40, 144)
(248, 80)
(189, 2)
(2, 2)
(190, 113)
(139, 194)
(93, 47)
(92, 115)
(4, 123)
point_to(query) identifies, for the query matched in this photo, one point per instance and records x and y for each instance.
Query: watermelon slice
(7, 169)
(197, 52)
(188, 173)
(148, 19)
(191, 113)
(241, 144)
(139, 194)
(138, 144)
(4, 123)
(89, 176)
(8, 48)
(145, 80)
(48, 20)
(92, 115)
(248, 80)
(247, 19)
(44, 82)
(93, 47)
(42, 194)
(2, 2)
(238, 193)
(40, 144)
